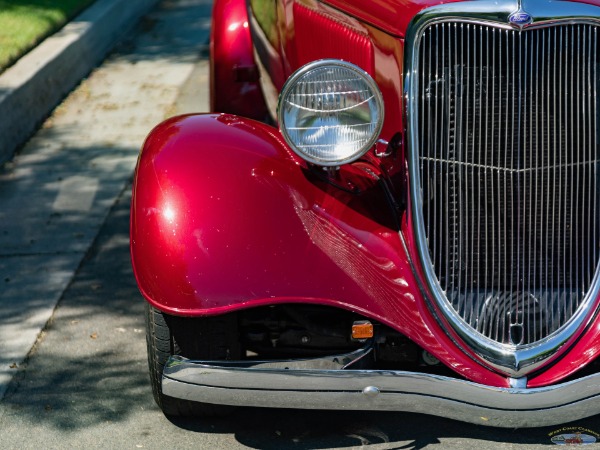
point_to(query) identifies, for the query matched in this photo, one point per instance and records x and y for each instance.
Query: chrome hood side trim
(243, 384)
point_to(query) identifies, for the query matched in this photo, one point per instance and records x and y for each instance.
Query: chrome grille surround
(511, 319)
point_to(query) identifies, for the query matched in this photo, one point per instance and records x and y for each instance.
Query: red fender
(234, 86)
(224, 216)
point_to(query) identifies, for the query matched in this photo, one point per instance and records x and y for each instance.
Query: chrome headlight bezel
(373, 102)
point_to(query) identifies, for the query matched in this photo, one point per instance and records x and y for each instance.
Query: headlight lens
(330, 112)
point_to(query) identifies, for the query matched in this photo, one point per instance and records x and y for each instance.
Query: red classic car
(394, 206)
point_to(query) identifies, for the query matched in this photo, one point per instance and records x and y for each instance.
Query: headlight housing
(330, 112)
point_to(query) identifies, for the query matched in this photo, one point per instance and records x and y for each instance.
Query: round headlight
(330, 112)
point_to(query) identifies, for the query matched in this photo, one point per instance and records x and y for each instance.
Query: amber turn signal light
(362, 329)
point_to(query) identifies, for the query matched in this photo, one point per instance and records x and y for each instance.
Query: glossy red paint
(234, 86)
(384, 52)
(391, 16)
(590, 2)
(386, 22)
(580, 353)
(319, 36)
(228, 218)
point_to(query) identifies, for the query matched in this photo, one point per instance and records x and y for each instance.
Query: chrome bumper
(326, 383)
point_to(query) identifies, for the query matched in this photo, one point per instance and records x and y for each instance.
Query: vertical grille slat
(508, 161)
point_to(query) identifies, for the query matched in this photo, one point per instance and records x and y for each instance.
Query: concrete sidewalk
(56, 193)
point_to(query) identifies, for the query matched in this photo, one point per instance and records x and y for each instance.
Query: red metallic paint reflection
(225, 217)
(586, 349)
(234, 86)
(391, 16)
(318, 36)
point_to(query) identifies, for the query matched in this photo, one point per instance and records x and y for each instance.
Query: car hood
(394, 16)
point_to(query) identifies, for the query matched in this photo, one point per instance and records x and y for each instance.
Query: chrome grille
(507, 130)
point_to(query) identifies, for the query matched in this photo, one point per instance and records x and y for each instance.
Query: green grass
(25, 23)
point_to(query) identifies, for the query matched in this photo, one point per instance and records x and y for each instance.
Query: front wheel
(206, 338)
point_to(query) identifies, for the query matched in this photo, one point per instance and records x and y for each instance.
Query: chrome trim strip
(515, 361)
(235, 383)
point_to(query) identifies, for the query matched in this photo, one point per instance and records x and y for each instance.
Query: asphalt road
(85, 383)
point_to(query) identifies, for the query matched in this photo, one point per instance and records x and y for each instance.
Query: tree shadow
(307, 429)
(90, 365)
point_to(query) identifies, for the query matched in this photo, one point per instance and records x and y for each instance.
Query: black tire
(209, 338)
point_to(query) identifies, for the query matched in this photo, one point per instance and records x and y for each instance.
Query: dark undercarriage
(297, 331)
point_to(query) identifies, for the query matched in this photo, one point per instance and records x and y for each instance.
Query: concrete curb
(37, 83)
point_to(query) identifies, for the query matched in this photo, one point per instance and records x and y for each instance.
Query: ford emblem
(520, 18)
